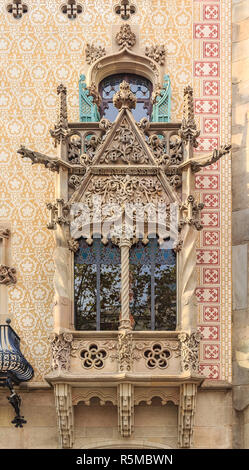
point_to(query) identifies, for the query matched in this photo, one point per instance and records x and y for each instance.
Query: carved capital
(7, 275)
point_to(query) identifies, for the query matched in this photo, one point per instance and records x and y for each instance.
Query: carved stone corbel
(186, 414)
(65, 418)
(126, 409)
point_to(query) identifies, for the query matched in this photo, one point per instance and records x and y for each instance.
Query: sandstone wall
(240, 193)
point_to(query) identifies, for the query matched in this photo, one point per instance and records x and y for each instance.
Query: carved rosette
(7, 275)
(125, 37)
(190, 351)
(60, 351)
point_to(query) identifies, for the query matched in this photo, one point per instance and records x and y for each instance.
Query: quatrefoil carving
(124, 9)
(17, 9)
(157, 356)
(93, 357)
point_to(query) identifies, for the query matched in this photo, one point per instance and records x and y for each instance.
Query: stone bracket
(126, 409)
(186, 414)
(65, 417)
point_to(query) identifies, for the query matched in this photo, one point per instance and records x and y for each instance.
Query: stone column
(125, 245)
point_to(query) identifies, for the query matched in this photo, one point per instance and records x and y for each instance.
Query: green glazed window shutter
(162, 108)
(88, 110)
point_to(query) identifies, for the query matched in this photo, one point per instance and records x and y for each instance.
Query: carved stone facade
(126, 374)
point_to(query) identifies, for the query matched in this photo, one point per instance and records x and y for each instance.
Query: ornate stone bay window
(125, 311)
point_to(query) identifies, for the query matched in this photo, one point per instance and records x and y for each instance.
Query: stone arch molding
(125, 61)
(125, 444)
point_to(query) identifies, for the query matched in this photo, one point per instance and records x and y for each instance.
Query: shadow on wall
(123, 444)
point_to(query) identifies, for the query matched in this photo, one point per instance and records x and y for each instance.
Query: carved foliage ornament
(157, 53)
(17, 9)
(61, 349)
(94, 53)
(125, 37)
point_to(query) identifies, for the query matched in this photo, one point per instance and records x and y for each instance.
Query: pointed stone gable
(125, 168)
(124, 144)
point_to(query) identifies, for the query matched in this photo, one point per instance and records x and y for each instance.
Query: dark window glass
(152, 287)
(97, 286)
(141, 87)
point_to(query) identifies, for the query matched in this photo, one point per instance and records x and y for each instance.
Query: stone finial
(189, 131)
(124, 98)
(61, 128)
(125, 37)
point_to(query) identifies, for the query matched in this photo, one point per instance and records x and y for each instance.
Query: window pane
(153, 287)
(141, 87)
(97, 286)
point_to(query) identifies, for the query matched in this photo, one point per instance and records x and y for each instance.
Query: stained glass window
(152, 287)
(141, 87)
(97, 286)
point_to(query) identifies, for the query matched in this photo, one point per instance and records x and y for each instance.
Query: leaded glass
(97, 286)
(153, 287)
(141, 87)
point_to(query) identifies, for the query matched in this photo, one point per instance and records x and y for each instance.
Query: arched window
(141, 87)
